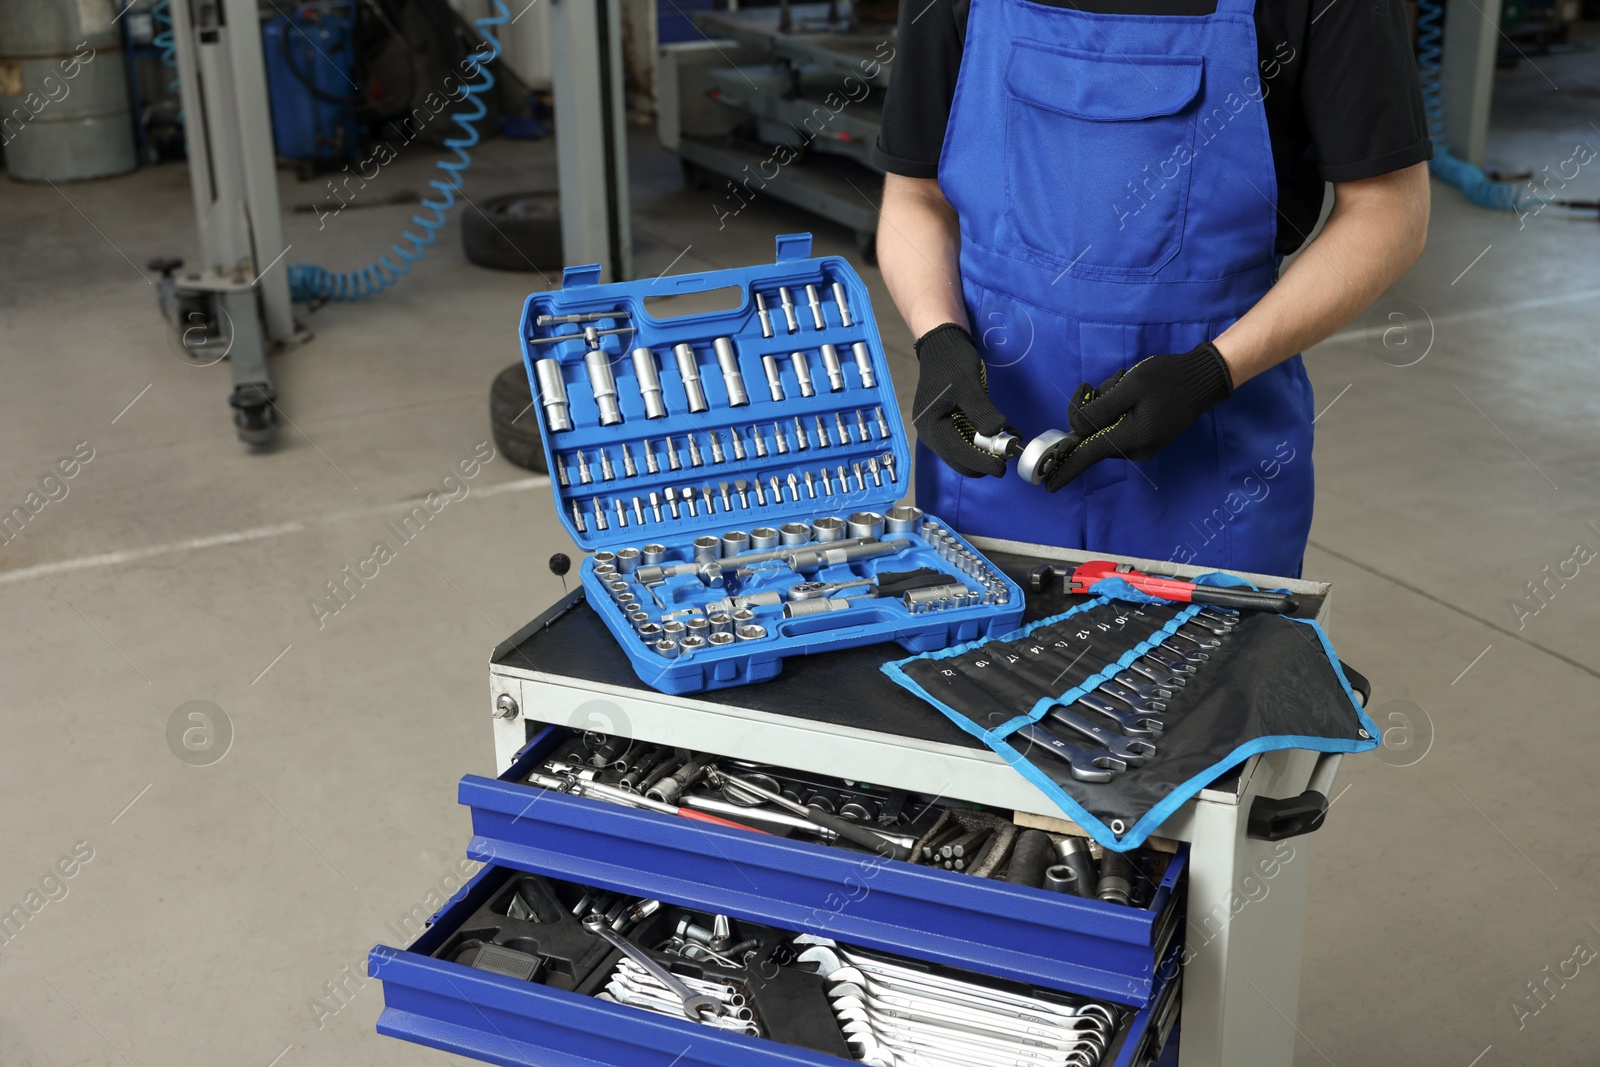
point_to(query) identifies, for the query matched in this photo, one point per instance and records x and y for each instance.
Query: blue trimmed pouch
(1274, 683)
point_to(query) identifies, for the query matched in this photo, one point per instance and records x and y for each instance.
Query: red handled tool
(569, 783)
(1082, 579)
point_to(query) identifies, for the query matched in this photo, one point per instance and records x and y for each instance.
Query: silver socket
(689, 373)
(751, 632)
(692, 643)
(720, 639)
(732, 378)
(604, 557)
(604, 386)
(902, 518)
(844, 305)
(605, 574)
(763, 315)
(864, 364)
(697, 626)
(666, 648)
(743, 617)
(794, 533)
(707, 548)
(627, 560)
(786, 298)
(735, 542)
(654, 554)
(865, 524)
(834, 369)
(763, 538)
(769, 364)
(816, 308)
(651, 632)
(674, 629)
(616, 587)
(649, 379)
(720, 622)
(827, 528)
(625, 601)
(802, 373)
(553, 395)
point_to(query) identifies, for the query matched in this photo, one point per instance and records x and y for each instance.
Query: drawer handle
(1273, 819)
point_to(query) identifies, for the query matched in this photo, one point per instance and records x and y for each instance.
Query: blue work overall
(1115, 187)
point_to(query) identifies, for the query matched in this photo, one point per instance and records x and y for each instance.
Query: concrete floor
(210, 906)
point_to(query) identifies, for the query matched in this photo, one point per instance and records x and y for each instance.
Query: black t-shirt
(1342, 96)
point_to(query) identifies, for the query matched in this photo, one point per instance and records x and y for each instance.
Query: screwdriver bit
(628, 469)
(783, 442)
(717, 455)
(584, 476)
(606, 470)
(695, 459)
(577, 518)
(800, 434)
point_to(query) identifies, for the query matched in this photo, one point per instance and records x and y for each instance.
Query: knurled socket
(649, 379)
(689, 373)
(604, 386)
(732, 377)
(553, 395)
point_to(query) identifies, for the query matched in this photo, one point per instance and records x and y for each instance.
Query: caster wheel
(254, 419)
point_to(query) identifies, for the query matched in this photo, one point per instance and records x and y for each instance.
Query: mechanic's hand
(953, 400)
(1137, 413)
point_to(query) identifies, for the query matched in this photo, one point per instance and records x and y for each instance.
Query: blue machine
(311, 84)
(679, 446)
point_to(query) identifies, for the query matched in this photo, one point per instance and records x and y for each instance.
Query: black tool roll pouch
(1273, 682)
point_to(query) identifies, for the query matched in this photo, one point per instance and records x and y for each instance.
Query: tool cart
(788, 112)
(834, 864)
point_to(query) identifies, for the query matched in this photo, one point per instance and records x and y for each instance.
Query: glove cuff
(1208, 374)
(941, 337)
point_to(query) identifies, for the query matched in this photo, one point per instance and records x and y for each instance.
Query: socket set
(736, 474)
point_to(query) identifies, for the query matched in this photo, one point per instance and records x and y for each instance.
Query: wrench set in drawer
(931, 831)
(519, 967)
(737, 475)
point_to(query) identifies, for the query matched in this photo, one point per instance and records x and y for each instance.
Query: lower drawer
(1058, 940)
(506, 973)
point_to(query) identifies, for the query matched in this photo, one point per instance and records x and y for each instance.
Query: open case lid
(631, 304)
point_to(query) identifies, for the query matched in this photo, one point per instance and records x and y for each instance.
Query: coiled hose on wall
(1469, 178)
(308, 282)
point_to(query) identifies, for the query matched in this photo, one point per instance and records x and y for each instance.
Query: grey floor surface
(211, 908)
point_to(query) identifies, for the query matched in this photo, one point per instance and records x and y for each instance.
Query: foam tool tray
(734, 474)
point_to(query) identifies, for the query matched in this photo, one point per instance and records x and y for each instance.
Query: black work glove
(1137, 413)
(952, 402)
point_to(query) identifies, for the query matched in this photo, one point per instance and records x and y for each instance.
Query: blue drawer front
(501, 1020)
(1063, 942)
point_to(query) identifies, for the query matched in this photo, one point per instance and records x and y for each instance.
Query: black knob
(165, 266)
(560, 564)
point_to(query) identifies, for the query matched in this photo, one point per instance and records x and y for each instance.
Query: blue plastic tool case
(659, 483)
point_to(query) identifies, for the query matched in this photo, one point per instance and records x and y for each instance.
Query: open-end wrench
(1131, 750)
(694, 1004)
(1086, 765)
(1066, 674)
(1132, 723)
(1063, 653)
(1174, 663)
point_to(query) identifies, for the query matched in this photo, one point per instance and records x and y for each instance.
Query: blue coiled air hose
(1470, 179)
(309, 282)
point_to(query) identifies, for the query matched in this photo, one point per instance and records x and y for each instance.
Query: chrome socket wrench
(689, 372)
(732, 378)
(553, 395)
(649, 379)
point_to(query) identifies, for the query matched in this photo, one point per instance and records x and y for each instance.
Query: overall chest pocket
(1098, 156)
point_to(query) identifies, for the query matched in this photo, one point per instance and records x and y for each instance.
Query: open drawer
(506, 973)
(1050, 939)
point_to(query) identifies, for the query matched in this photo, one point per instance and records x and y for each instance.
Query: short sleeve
(1359, 90)
(922, 84)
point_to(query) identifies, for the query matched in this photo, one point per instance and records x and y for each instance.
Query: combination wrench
(694, 1004)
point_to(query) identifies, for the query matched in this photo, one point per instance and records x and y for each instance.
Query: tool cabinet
(1207, 973)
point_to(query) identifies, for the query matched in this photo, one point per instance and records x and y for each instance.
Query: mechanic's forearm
(1373, 235)
(919, 249)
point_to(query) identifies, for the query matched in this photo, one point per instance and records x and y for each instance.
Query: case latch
(589, 274)
(793, 246)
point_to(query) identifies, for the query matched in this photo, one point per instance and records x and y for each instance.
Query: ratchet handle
(700, 816)
(858, 834)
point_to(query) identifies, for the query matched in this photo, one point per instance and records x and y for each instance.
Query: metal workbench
(837, 714)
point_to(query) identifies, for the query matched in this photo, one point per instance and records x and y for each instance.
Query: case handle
(793, 246)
